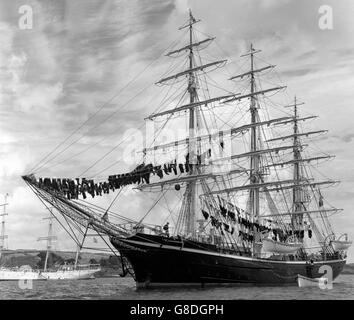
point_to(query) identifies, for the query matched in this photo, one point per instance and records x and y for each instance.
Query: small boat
(304, 282)
(341, 245)
(272, 246)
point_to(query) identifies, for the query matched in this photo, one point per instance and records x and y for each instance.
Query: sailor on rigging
(165, 228)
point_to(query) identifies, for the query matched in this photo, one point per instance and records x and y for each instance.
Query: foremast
(188, 210)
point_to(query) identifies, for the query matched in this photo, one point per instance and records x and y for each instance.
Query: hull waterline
(70, 274)
(158, 265)
(14, 275)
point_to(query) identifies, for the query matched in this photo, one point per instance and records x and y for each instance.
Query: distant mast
(3, 236)
(50, 237)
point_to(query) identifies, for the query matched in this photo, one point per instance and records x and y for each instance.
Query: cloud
(297, 73)
(347, 137)
(55, 76)
(269, 4)
(182, 6)
(12, 162)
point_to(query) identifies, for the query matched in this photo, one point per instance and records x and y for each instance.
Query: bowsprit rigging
(250, 209)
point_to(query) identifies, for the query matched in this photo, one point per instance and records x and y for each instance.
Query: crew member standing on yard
(165, 228)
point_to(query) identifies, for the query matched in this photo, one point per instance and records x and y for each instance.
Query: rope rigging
(45, 160)
(252, 201)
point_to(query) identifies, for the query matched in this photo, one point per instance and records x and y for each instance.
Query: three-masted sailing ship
(249, 207)
(25, 272)
(65, 271)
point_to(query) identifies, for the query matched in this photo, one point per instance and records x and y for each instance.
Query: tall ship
(25, 272)
(17, 273)
(249, 208)
(65, 271)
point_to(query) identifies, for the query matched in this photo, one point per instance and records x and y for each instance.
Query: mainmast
(254, 159)
(191, 188)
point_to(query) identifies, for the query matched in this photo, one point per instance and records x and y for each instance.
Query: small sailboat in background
(27, 273)
(65, 271)
(16, 273)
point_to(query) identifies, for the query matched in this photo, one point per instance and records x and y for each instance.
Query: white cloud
(12, 160)
(267, 4)
(38, 98)
(183, 6)
(12, 163)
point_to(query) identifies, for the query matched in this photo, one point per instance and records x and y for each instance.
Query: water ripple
(124, 288)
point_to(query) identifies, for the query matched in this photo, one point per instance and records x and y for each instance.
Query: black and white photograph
(176, 150)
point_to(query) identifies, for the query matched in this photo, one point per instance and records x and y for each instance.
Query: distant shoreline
(110, 264)
(348, 269)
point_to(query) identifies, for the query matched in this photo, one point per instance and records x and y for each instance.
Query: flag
(205, 214)
(105, 216)
(320, 200)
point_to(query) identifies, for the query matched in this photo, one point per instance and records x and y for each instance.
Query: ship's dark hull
(157, 263)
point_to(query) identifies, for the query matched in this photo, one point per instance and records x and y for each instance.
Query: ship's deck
(228, 249)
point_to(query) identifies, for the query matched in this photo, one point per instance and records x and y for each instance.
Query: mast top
(190, 14)
(192, 21)
(251, 52)
(295, 104)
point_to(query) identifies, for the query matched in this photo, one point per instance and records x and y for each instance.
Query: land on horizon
(110, 264)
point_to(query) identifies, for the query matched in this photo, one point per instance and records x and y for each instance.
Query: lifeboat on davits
(272, 246)
(341, 245)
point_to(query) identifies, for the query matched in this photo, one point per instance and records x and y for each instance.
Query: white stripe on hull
(144, 285)
(70, 274)
(48, 275)
(20, 275)
(163, 246)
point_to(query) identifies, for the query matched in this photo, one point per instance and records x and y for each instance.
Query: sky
(85, 56)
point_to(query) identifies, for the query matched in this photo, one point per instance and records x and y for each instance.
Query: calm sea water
(124, 288)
